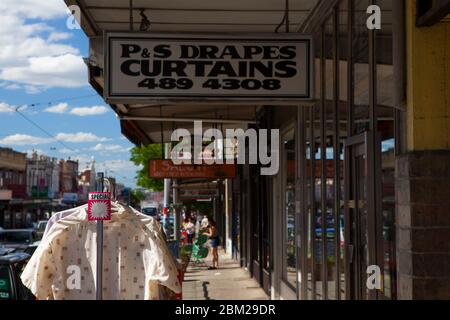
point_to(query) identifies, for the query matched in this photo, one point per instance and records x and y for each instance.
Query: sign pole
(99, 278)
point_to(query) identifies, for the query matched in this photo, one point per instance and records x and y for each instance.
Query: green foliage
(140, 156)
(205, 208)
(138, 195)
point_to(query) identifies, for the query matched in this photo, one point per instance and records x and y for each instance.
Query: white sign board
(99, 206)
(146, 66)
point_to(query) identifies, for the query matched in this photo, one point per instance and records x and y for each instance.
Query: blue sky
(41, 64)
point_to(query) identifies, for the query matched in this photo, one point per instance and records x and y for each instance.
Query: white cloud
(32, 9)
(32, 89)
(89, 111)
(12, 87)
(31, 52)
(65, 71)
(80, 137)
(24, 139)
(59, 108)
(58, 36)
(68, 151)
(6, 108)
(117, 165)
(63, 108)
(110, 148)
(83, 160)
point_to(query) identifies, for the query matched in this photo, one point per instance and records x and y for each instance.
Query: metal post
(176, 217)
(99, 278)
(131, 16)
(166, 212)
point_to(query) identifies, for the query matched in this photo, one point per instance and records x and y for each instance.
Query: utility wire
(62, 99)
(42, 129)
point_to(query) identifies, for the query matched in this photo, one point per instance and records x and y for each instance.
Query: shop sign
(166, 169)
(70, 197)
(143, 66)
(99, 206)
(198, 194)
(39, 192)
(5, 195)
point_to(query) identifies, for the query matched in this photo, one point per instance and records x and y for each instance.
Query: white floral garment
(135, 259)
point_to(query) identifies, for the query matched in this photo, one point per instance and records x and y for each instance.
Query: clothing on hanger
(135, 259)
(58, 216)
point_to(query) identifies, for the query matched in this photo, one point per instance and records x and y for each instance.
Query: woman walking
(214, 241)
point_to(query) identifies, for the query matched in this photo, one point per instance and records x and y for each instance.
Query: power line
(42, 129)
(62, 99)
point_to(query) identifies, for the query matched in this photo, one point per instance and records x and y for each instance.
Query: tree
(138, 195)
(205, 208)
(141, 156)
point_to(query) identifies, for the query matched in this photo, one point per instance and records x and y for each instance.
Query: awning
(147, 123)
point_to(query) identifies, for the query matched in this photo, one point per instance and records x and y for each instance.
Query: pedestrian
(204, 223)
(190, 230)
(214, 242)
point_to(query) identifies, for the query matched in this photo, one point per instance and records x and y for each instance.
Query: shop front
(335, 213)
(326, 226)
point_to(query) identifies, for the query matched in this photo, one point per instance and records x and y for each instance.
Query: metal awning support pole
(166, 211)
(176, 217)
(131, 16)
(99, 278)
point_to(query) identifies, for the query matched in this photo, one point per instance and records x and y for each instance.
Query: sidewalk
(230, 282)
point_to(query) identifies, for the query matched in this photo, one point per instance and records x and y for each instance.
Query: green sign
(39, 192)
(4, 285)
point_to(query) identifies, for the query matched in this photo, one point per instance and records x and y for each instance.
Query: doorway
(362, 205)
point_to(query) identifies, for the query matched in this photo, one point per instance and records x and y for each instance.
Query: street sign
(166, 169)
(198, 193)
(99, 206)
(242, 67)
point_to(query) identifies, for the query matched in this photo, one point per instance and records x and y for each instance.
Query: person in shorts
(214, 242)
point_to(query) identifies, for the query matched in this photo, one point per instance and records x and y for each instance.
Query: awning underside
(182, 16)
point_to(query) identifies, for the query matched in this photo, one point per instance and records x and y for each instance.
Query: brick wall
(423, 225)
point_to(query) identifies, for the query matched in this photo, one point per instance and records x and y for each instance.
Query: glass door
(290, 276)
(361, 218)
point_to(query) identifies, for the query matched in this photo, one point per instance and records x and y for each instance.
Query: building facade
(43, 175)
(12, 188)
(68, 183)
(86, 181)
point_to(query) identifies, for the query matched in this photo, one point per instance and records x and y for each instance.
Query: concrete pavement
(229, 282)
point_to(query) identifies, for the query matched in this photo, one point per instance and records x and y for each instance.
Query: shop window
(289, 218)
(309, 199)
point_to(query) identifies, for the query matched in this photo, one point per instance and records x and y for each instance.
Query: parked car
(32, 248)
(150, 211)
(40, 228)
(11, 267)
(19, 239)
